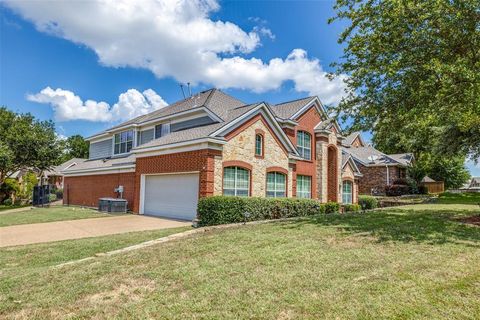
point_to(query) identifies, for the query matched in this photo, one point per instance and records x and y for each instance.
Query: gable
(310, 118)
(357, 142)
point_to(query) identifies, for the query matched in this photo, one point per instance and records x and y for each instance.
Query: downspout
(388, 175)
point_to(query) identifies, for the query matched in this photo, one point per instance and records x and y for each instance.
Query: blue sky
(52, 60)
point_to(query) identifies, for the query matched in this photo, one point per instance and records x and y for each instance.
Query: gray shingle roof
(287, 109)
(403, 158)
(57, 171)
(370, 156)
(351, 137)
(427, 179)
(102, 163)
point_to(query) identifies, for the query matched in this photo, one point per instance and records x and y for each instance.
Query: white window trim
(235, 187)
(284, 190)
(133, 143)
(310, 192)
(304, 134)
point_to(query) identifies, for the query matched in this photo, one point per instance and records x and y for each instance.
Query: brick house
(378, 169)
(214, 144)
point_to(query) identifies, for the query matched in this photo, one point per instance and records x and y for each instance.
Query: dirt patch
(475, 220)
(131, 291)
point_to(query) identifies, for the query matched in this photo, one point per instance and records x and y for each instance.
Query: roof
(287, 109)
(369, 156)
(427, 179)
(403, 158)
(108, 163)
(56, 171)
(351, 137)
(347, 158)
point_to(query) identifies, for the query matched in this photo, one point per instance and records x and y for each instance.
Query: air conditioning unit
(112, 205)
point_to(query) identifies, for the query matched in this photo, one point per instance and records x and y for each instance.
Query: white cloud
(68, 106)
(177, 38)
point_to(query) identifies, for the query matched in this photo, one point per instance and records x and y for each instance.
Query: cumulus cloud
(68, 106)
(177, 38)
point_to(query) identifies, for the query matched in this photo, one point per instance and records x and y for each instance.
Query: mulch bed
(475, 220)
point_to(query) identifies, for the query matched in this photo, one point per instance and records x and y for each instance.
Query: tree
(75, 147)
(26, 143)
(413, 64)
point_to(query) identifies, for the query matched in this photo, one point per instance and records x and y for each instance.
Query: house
(54, 176)
(214, 144)
(378, 169)
(472, 186)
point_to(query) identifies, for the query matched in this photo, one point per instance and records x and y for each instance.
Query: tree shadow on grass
(423, 226)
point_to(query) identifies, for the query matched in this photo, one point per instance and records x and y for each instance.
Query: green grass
(460, 198)
(400, 263)
(39, 215)
(5, 207)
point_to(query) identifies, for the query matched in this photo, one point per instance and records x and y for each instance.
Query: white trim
(141, 208)
(97, 171)
(95, 140)
(193, 147)
(307, 106)
(178, 144)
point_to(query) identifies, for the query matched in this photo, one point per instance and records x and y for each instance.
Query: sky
(88, 65)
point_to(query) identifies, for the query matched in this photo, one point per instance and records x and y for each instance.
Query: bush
(332, 207)
(422, 189)
(351, 207)
(7, 202)
(59, 193)
(52, 197)
(397, 190)
(223, 209)
(367, 202)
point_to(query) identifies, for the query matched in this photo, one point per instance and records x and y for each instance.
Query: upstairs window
(276, 186)
(304, 142)
(259, 145)
(162, 130)
(123, 142)
(236, 182)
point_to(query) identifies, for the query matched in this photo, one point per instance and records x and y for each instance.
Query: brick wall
(198, 160)
(86, 190)
(375, 177)
(332, 184)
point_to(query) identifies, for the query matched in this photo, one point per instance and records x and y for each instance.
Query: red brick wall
(307, 122)
(375, 177)
(86, 190)
(199, 160)
(332, 183)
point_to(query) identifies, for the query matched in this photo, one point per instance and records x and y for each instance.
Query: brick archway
(332, 170)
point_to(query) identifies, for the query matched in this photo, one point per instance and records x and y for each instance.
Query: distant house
(472, 186)
(54, 176)
(378, 169)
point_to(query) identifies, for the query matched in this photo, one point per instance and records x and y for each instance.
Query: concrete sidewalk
(83, 228)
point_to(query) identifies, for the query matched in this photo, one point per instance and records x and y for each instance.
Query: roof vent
(372, 158)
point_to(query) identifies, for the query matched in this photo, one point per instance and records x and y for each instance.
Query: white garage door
(171, 196)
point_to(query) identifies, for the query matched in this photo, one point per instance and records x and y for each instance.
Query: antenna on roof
(183, 92)
(189, 90)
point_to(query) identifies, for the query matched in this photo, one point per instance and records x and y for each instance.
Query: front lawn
(460, 198)
(39, 215)
(396, 263)
(4, 207)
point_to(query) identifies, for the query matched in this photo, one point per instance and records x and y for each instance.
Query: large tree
(74, 147)
(26, 143)
(413, 69)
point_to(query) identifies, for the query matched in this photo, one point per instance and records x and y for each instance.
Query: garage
(171, 195)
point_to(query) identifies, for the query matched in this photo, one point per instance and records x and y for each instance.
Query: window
(259, 145)
(304, 144)
(276, 185)
(304, 187)
(347, 192)
(236, 182)
(162, 130)
(123, 142)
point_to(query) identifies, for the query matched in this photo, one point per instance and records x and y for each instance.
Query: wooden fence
(434, 187)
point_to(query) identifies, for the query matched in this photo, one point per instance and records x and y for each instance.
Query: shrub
(223, 209)
(367, 202)
(422, 189)
(59, 193)
(351, 207)
(7, 202)
(332, 207)
(52, 197)
(396, 190)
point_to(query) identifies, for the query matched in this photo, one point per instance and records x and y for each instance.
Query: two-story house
(214, 144)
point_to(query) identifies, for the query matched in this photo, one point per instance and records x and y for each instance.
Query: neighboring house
(378, 169)
(54, 176)
(214, 144)
(472, 186)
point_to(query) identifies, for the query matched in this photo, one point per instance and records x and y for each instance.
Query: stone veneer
(323, 143)
(241, 147)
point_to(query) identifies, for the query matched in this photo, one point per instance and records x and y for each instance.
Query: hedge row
(223, 209)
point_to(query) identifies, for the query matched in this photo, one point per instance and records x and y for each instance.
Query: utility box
(112, 205)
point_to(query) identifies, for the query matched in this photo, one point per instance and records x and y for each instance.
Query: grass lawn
(5, 207)
(465, 198)
(399, 263)
(39, 215)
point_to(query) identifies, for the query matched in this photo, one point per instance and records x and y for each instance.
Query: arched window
(304, 141)
(347, 192)
(259, 145)
(276, 185)
(236, 182)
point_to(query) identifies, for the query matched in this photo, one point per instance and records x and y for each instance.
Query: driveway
(84, 228)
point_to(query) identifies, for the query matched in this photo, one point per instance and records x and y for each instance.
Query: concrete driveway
(84, 228)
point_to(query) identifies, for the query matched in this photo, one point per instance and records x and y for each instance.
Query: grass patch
(5, 207)
(395, 263)
(39, 215)
(460, 198)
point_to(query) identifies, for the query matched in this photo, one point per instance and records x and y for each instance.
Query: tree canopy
(74, 147)
(26, 143)
(413, 73)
